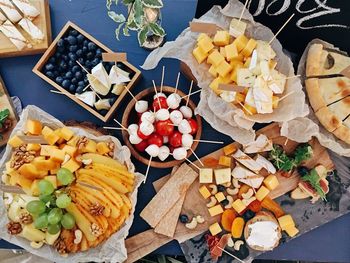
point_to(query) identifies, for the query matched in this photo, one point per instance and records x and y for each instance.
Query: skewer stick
(155, 90)
(286, 78)
(228, 253)
(245, 6)
(82, 67)
(147, 171)
(189, 92)
(279, 31)
(112, 128)
(286, 141)
(121, 125)
(57, 92)
(244, 107)
(90, 83)
(195, 155)
(188, 160)
(177, 82)
(132, 95)
(162, 80)
(285, 96)
(205, 141)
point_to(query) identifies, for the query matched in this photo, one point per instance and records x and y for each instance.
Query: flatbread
(313, 65)
(328, 119)
(315, 96)
(341, 109)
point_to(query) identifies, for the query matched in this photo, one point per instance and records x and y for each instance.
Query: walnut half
(14, 228)
(96, 209)
(26, 218)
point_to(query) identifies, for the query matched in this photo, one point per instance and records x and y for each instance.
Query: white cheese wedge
(263, 99)
(245, 77)
(265, 163)
(88, 97)
(249, 99)
(101, 74)
(237, 27)
(118, 89)
(247, 161)
(10, 11)
(102, 104)
(228, 96)
(32, 30)
(265, 51)
(2, 18)
(222, 176)
(277, 82)
(27, 8)
(116, 76)
(12, 33)
(97, 86)
(254, 60)
(247, 177)
(261, 144)
(263, 234)
(265, 69)
(205, 176)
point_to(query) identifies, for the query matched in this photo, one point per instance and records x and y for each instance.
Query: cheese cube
(70, 150)
(222, 176)
(241, 42)
(52, 179)
(46, 131)
(292, 231)
(262, 193)
(272, 64)
(225, 161)
(206, 45)
(247, 63)
(45, 164)
(239, 98)
(230, 149)
(205, 176)
(66, 133)
(245, 77)
(204, 192)
(265, 52)
(61, 140)
(237, 27)
(52, 138)
(221, 38)
(220, 197)
(248, 109)
(215, 229)
(233, 75)
(278, 82)
(199, 55)
(34, 189)
(225, 80)
(15, 141)
(275, 101)
(238, 206)
(57, 155)
(214, 85)
(286, 221)
(215, 58)
(223, 69)
(34, 127)
(102, 148)
(248, 49)
(46, 150)
(73, 142)
(72, 165)
(33, 147)
(223, 51)
(213, 71)
(215, 210)
(202, 36)
(271, 182)
(231, 52)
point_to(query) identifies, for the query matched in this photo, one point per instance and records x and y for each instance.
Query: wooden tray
(148, 241)
(43, 22)
(41, 63)
(6, 103)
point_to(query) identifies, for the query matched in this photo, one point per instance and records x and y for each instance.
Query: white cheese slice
(265, 51)
(261, 144)
(205, 176)
(10, 11)
(117, 77)
(245, 77)
(27, 8)
(118, 89)
(97, 86)
(263, 99)
(265, 69)
(249, 99)
(254, 60)
(101, 74)
(247, 177)
(102, 104)
(222, 176)
(88, 97)
(32, 30)
(277, 82)
(265, 163)
(247, 161)
(12, 33)
(2, 18)
(237, 27)
(228, 96)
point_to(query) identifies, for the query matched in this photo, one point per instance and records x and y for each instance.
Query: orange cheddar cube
(240, 98)
(102, 148)
(215, 58)
(223, 69)
(231, 52)
(52, 138)
(73, 142)
(70, 150)
(230, 149)
(213, 71)
(45, 165)
(221, 38)
(90, 147)
(33, 147)
(34, 127)
(72, 165)
(241, 42)
(225, 161)
(57, 155)
(66, 133)
(248, 49)
(275, 101)
(15, 141)
(46, 131)
(249, 110)
(206, 45)
(199, 55)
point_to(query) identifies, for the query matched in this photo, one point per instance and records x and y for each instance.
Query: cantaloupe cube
(225, 161)
(223, 69)
(102, 148)
(33, 147)
(199, 55)
(34, 127)
(231, 52)
(57, 155)
(241, 42)
(213, 71)
(66, 133)
(230, 149)
(221, 38)
(262, 193)
(70, 150)
(286, 221)
(17, 179)
(90, 147)
(205, 45)
(29, 171)
(72, 165)
(73, 142)
(52, 179)
(215, 229)
(248, 49)
(45, 164)
(46, 150)
(15, 141)
(215, 58)
(271, 182)
(292, 231)
(238, 206)
(46, 131)
(52, 138)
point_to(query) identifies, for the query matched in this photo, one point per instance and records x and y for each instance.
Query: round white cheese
(186, 111)
(146, 128)
(162, 114)
(173, 101)
(180, 153)
(148, 116)
(176, 117)
(141, 106)
(152, 150)
(184, 127)
(164, 152)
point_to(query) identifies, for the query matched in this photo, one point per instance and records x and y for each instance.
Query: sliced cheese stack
(245, 62)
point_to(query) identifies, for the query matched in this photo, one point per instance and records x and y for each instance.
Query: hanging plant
(144, 16)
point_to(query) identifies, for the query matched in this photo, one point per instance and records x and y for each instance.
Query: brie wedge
(116, 76)
(245, 77)
(12, 33)
(237, 27)
(265, 69)
(254, 60)
(263, 99)
(278, 82)
(247, 177)
(247, 161)
(97, 86)
(32, 30)
(261, 144)
(27, 8)
(249, 99)
(88, 97)
(101, 74)
(10, 11)
(118, 89)
(265, 52)
(265, 163)
(102, 104)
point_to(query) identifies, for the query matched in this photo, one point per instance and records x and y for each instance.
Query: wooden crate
(43, 60)
(43, 22)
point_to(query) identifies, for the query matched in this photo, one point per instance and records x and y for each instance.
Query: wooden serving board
(148, 241)
(43, 22)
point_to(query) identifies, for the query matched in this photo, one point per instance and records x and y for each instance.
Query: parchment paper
(224, 116)
(302, 129)
(112, 250)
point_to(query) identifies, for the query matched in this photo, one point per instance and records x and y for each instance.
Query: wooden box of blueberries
(73, 65)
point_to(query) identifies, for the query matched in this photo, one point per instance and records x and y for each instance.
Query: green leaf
(126, 31)
(117, 31)
(314, 179)
(157, 29)
(127, 2)
(153, 3)
(138, 12)
(132, 25)
(119, 18)
(4, 114)
(142, 35)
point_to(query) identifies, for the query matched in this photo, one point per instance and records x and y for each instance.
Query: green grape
(63, 201)
(65, 176)
(54, 229)
(68, 221)
(36, 207)
(48, 199)
(41, 221)
(45, 187)
(54, 216)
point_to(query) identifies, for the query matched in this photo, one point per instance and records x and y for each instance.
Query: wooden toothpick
(112, 128)
(155, 90)
(228, 253)
(285, 96)
(189, 93)
(195, 155)
(121, 125)
(162, 80)
(279, 31)
(148, 166)
(188, 160)
(245, 6)
(57, 92)
(177, 82)
(132, 95)
(197, 91)
(82, 67)
(244, 107)
(205, 141)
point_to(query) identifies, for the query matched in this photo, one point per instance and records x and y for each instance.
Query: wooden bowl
(130, 116)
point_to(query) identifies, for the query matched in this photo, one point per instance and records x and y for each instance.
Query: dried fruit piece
(255, 206)
(237, 227)
(227, 219)
(272, 206)
(211, 162)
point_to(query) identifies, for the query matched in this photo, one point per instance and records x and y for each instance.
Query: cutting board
(148, 241)
(43, 22)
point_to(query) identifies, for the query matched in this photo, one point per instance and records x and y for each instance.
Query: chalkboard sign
(327, 20)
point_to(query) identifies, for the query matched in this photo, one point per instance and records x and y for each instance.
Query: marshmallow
(132, 129)
(176, 117)
(148, 116)
(134, 139)
(164, 152)
(165, 139)
(141, 106)
(162, 114)
(187, 140)
(159, 95)
(173, 101)
(179, 153)
(184, 127)
(152, 150)
(146, 128)
(186, 111)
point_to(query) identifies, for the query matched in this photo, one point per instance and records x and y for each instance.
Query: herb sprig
(314, 180)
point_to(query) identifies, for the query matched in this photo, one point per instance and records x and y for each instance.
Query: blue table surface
(328, 243)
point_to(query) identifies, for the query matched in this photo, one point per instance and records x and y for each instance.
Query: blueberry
(80, 89)
(74, 81)
(95, 62)
(99, 52)
(58, 55)
(55, 73)
(81, 84)
(80, 38)
(73, 48)
(72, 56)
(66, 83)
(302, 171)
(221, 188)
(52, 60)
(86, 43)
(85, 50)
(90, 55)
(184, 219)
(249, 214)
(91, 46)
(69, 75)
(71, 63)
(63, 65)
(50, 74)
(224, 202)
(64, 57)
(73, 32)
(112, 100)
(59, 80)
(60, 49)
(49, 67)
(60, 43)
(72, 40)
(75, 68)
(81, 60)
(79, 53)
(72, 88)
(88, 64)
(78, 75)
(86, 81)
